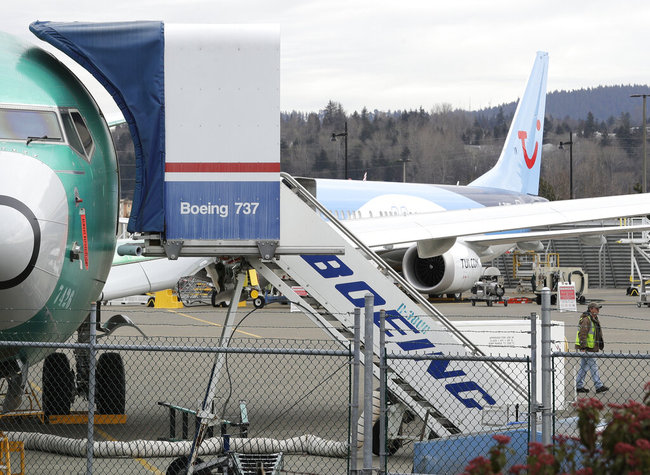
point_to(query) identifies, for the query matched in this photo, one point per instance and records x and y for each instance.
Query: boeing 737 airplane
(58, 209)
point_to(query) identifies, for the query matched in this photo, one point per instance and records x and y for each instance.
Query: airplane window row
(342, 215)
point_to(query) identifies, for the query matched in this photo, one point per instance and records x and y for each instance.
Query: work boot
(602, 389)
(582, 390)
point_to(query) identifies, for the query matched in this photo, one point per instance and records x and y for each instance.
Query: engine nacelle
(454, 271)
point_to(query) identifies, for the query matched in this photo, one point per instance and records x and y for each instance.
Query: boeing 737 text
(217, 209)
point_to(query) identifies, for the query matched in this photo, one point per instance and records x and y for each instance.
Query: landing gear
(110, 395)
(392, 445)
(58, 385)
(213, 300)
(179, 467)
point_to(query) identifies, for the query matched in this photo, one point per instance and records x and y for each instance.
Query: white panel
(222, 93)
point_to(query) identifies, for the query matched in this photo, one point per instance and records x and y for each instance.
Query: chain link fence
(293, 395)
(622, 377)
(440, 442)
(273, 395)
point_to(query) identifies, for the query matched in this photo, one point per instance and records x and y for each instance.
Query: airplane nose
(33, 236)
(20, 239)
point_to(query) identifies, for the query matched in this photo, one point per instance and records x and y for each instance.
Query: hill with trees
(604, 102)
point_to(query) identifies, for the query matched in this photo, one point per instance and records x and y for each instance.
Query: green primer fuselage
(32, 78)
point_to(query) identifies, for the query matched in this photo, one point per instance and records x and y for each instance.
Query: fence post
(546, 366)
(92, 350)
(533, 404)
(354, 413)
(367, 383)
(382, 391)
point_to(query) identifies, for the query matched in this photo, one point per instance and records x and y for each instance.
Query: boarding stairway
(337, 283)
(318, 253)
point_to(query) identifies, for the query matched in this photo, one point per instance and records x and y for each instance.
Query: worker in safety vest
(589, 340)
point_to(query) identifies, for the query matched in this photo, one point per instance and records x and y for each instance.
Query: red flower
(589, 403)
(501, 439)
(547, 459)
(623, 448)
(643, 444)
(477, 463)
(536, 448)
(518, 468)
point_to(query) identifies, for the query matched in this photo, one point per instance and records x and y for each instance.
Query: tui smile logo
(530, 161)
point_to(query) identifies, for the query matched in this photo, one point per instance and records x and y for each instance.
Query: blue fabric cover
(127, 58)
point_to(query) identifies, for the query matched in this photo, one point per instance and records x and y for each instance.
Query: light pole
(404, 160)
(645, 161)
(345, 135)
(570, 144)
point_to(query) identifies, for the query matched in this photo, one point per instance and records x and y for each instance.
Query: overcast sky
(403, 54)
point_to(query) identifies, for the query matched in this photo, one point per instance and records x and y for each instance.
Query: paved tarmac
(287, 396)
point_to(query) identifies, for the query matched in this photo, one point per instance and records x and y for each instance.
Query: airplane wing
(395, 230)
(513, 238)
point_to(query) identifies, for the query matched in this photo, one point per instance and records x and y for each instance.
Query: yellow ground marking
(142, 462)
(212, 323)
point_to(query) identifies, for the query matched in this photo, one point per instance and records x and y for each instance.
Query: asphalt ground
(288, 395)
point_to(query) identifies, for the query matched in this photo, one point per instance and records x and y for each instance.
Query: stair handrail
(411, 291)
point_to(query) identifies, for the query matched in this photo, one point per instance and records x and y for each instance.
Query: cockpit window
(21, 124)
(84, 133)
(71, 133)
(77, 132)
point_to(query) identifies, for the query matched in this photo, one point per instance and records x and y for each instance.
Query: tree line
(447, 146)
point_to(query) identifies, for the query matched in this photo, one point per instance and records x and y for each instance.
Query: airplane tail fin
(519, 165)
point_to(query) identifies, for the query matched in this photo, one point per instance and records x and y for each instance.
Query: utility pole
(645, 161)
(570, 144)
(345, 135)
(404, 160)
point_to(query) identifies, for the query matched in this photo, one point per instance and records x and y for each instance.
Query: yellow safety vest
(590, 335)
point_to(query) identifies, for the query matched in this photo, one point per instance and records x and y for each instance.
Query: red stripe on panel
(223, 167)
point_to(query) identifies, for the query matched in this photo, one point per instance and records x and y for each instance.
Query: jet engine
(454, 271)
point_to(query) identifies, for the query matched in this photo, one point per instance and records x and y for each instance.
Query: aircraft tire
(110, 392)
(392, 445)
(58, 385)
(213, 300)
(259, 302)
(179, 467)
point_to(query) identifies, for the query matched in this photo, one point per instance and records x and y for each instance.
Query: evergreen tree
(333, 115)
(589, 126)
